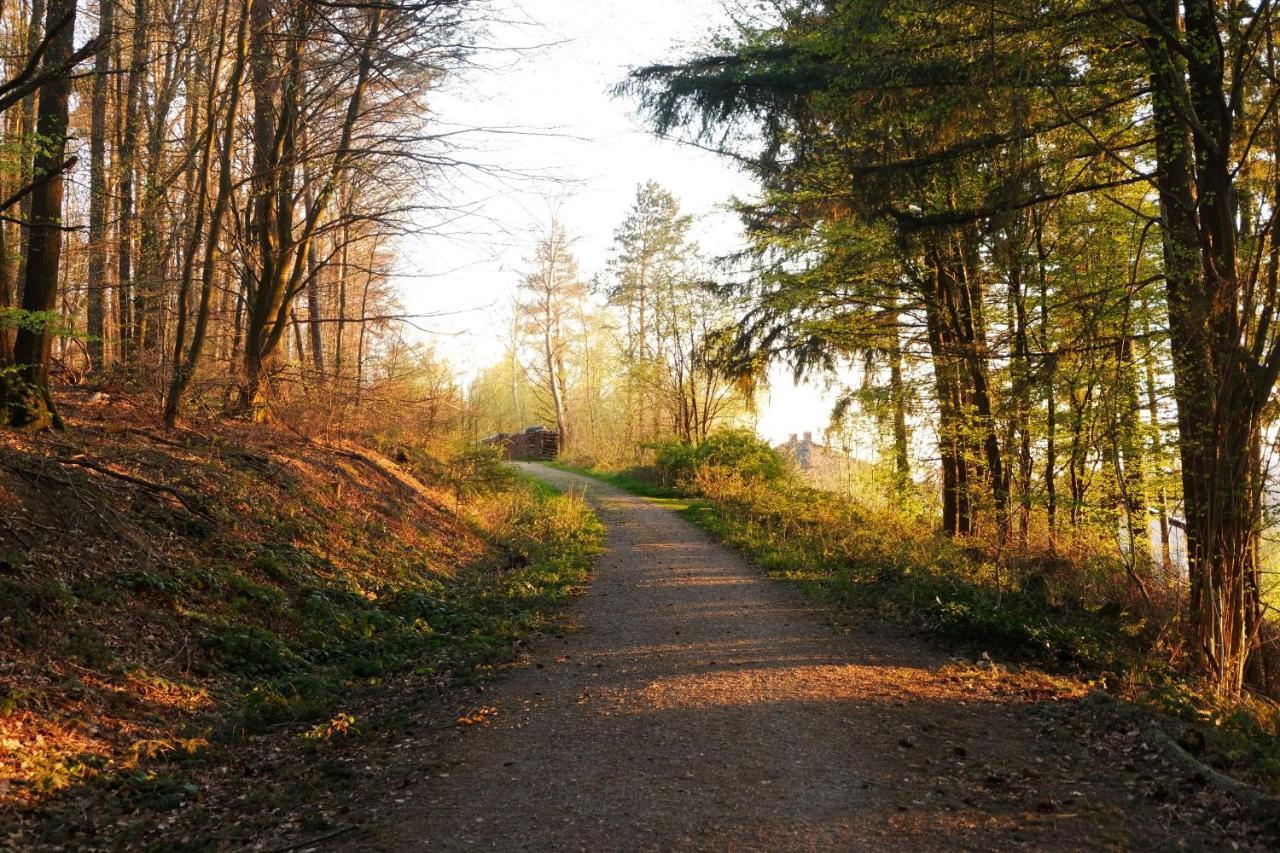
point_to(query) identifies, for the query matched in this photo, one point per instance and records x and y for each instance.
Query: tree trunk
(97, 271)
(185, 367)
(1219, 391)
(283, 246)
(127, 165)
(7, 296)
(28, 148)
(148, 290)
(898, 396)
(30, 402)
(957, 513)
(555, 366)
(1131, 474)
(1157, 453)
(965, 309)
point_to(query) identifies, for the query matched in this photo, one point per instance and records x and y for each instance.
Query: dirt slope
(179, 611)
(703, 707)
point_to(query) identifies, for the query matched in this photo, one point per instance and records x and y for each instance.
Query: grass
(298, 643)
(636, 482)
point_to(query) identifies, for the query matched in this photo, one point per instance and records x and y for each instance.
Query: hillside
(185, 611)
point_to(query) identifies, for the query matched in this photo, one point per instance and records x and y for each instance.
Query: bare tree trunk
(7, 296)
(313, 295)
(343, 270)
(28, 148)
(30, 403)
(898, 397)
(148, 291)
(283, 249)
(555, 369)
(185, 367)
(97, 272)
(957, 510)
(1162, 498)
(364, 323)
(126, 332)
(1220, 398)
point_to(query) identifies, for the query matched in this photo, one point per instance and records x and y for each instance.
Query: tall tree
(550, 293)
(945, 120)
(97, 285)
(28, 399)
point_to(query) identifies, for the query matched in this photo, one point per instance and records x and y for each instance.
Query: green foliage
(727, 453)
(640, 480)
(1230, 735)
(51, 322)
(154, 791)
(23, 600)
(476, 471)
(885, 561)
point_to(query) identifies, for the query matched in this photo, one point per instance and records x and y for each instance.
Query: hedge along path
(702, 706)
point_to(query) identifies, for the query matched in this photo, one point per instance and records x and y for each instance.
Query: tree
(170, 284)
(968, 129)
(27, 398)
(186, 356)
(549, 294)
(96, 319)
(671, 320)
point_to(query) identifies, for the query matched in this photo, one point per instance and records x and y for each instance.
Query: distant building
(827, 468)
(805, 452)
(821, 465)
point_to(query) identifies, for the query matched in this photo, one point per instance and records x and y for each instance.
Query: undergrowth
(149, 651)
(300, 637)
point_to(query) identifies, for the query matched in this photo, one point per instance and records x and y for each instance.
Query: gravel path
(702, 706)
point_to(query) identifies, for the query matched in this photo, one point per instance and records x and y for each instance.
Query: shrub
(477, 471)
(728, 454)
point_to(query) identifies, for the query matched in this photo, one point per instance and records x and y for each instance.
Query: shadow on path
(701, 706)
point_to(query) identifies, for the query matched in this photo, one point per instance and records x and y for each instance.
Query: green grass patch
(640, 481)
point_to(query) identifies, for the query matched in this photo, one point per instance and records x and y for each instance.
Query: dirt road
(702, 706)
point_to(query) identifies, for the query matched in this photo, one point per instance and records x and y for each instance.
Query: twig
(191, 503)
(156, 438)
(342, 830)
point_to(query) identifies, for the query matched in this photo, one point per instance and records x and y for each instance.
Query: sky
(556, 141)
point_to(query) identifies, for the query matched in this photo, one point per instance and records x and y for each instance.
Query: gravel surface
(700, 705)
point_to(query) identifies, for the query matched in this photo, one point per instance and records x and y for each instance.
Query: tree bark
(127, 165)
(27, 148)
(97, 271)
(957, 510)
(1218, 386)
(898, 396)
(30, 402)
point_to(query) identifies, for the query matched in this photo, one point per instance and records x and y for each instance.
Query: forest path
(703, 706)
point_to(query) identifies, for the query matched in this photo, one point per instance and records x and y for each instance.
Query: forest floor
(698, 705)
(235, 637)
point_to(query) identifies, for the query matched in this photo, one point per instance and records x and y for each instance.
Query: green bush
(736, 453)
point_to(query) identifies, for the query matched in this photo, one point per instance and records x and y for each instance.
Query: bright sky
(575, 149)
